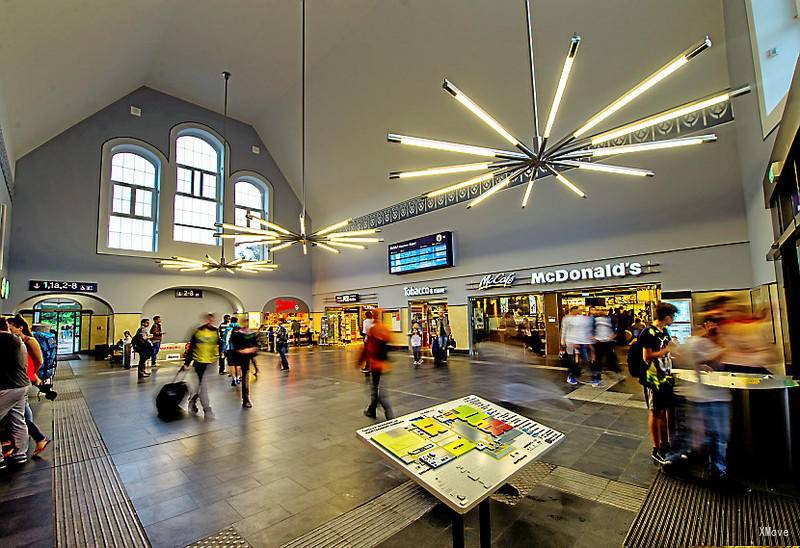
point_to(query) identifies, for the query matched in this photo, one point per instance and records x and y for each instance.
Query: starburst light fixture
(330, 238)
(576, 150)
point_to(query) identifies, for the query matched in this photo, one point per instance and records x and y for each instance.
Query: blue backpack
(47, 342)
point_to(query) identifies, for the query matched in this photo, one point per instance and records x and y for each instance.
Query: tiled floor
(292, 461)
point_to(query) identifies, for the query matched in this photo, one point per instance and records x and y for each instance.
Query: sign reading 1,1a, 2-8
(188, 293)
(60, 285)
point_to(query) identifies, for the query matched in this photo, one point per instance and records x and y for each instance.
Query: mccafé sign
(497, 280)
(616, 270)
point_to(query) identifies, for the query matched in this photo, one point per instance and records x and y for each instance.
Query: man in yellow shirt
(203, 352)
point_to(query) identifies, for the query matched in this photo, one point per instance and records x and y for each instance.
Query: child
(416, 346)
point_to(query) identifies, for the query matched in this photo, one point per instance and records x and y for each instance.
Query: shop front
(518, 316)
(342, 322)
(427, 309)
(293, 314)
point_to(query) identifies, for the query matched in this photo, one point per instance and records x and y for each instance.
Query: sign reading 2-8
(61, 285)
(188, 293)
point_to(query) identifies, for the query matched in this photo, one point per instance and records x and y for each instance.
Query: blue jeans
(282, 349)
(717, 426)
(33, 430)
(156, 348)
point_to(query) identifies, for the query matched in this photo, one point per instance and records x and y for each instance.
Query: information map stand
(462, 452)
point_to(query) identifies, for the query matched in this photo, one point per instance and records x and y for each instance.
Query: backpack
(636, 363)
(282, 336)
(47, 342)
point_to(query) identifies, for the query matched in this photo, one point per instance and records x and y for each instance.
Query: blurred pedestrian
(222, 333)
(604, 347)
(233, 368)
(203, 353)
(14, 385)
(378, 363)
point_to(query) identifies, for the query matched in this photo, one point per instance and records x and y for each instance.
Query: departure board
(423, 253)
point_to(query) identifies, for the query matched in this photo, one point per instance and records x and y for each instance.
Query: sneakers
(370, 415)
(208, 414)
(233, 381)
(571, 380)
(193, 405)
(597, 383)
(18, 459)
(247, 405)
(658, 457)
(41, 446)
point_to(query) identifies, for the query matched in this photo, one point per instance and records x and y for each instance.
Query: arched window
(250, 199)
(134, 202)
(198, 193)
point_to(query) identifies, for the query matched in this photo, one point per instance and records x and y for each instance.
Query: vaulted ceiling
(374, 66)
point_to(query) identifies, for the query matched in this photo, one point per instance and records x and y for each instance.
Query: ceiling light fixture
(209, 265)
(575, 149)
(326, 238)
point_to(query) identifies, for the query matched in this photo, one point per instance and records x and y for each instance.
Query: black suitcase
(170, 398)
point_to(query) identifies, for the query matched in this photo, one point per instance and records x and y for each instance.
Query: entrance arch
(63, 315)
(181, 315)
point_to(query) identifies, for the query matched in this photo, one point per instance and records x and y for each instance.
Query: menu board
(681, 327)
(420, 254)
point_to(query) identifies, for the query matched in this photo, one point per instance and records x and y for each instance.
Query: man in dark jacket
(14, 385)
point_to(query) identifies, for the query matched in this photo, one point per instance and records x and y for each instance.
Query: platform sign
(61, 285)
(461, 451)
(348, 298)
(188, 293)
(420, 254)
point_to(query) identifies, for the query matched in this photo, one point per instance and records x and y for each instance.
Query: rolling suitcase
(170, 398)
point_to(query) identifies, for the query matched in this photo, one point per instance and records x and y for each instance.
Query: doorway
(64, 317)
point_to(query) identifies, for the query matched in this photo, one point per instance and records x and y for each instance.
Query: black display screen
(423, 253)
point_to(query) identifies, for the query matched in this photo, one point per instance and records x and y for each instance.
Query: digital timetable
(423, 253)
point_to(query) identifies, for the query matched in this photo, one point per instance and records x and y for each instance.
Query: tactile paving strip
(523, 481)
(372, 522)
(227, 538)
(90, 503)
(683, 513)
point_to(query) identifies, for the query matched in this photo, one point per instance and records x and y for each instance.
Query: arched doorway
(63, 316)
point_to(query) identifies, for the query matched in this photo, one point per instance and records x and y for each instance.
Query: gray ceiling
(374, 66)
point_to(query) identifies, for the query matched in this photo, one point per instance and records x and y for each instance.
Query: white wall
(181, 316)
(752, 152)
(773, 24)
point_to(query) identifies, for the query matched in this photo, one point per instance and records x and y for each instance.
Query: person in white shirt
(577, 338)
(604, 354)
(366, 326)
(416, 346)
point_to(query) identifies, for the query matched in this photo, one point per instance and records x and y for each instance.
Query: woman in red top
(19, 327)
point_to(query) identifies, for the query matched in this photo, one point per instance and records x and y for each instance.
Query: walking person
(365, 327)
(443, 333)
(577, 339)
(416, 347)
(378, 363)
(223, 333)
(282, 344)
(657, 344)
(14, 385)
(19, 327)
(242, 354)
(233, 369)
(156, 336)
(143, 347)
(605, 354)
(203, 353)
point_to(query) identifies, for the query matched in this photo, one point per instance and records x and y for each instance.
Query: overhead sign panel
(421, 254)
(61, 285)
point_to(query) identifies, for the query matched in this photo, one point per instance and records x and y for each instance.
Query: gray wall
(56, 209)
(752, 151)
